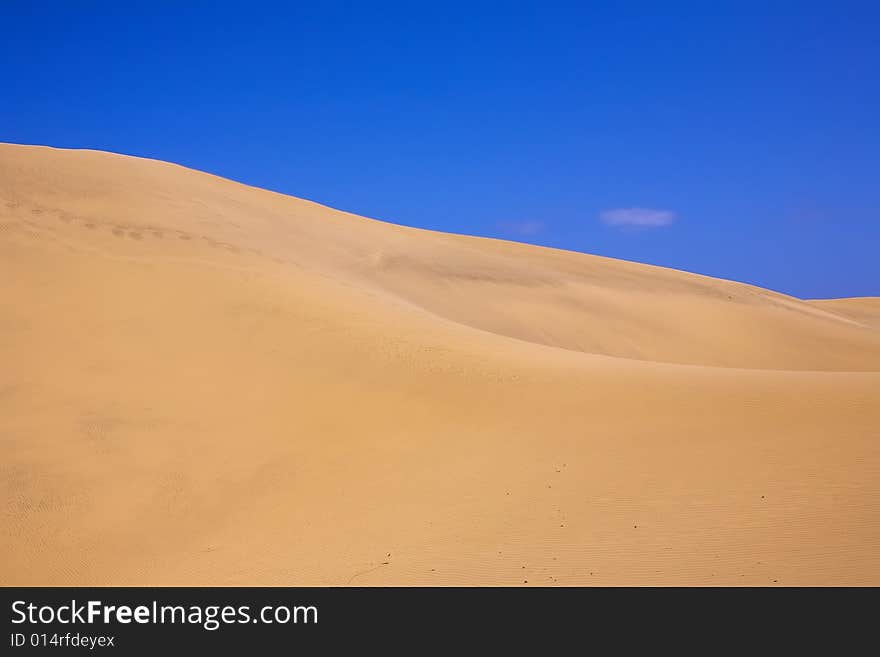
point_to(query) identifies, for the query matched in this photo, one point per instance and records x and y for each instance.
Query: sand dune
(864, 310)
(208, 383)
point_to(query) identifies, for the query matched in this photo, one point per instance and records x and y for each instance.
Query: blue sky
(739, 139)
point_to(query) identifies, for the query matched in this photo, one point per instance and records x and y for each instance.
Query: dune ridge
(209, 383)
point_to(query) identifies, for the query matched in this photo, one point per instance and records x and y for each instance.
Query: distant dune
(208, 383)
(864, 310)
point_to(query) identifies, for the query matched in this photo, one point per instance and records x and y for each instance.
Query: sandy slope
(207, 383)
(865, 310)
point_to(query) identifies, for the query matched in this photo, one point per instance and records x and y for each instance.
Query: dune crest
(209, 383)
(864, 310)
(556, 298)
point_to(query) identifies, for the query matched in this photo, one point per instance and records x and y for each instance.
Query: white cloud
(524, 228)
(637, 217)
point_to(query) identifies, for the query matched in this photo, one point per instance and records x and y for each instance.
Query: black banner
(148, 620)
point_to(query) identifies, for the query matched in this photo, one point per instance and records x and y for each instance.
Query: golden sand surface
(203, 382)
